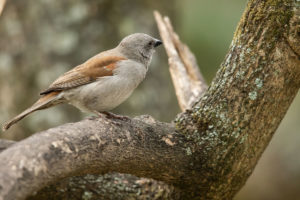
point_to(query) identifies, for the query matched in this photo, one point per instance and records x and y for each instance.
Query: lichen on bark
(234, 121)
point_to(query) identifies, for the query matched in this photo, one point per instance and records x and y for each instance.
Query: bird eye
(150, 43)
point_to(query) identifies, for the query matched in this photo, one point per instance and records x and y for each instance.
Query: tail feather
(43, 103)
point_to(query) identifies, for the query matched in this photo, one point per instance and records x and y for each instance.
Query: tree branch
(236, 118)
(108, 186)
(186, 76)
(92, 147)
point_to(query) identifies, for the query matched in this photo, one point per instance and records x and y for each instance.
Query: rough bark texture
(108, 186)
(234, 121)
(209, 151)
(99, 147)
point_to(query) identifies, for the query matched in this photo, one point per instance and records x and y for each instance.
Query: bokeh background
(41, 39)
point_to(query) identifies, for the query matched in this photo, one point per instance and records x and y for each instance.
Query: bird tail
(44, 102)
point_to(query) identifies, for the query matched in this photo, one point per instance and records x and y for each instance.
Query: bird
(102, 82)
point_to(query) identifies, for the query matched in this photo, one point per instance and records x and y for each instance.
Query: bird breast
(108, 92)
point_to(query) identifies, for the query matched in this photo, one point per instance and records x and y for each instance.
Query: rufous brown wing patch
(101, 66)
(97, 66)
(48, 96)
(110, 67)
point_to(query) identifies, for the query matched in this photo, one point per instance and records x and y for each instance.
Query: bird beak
(157, 43)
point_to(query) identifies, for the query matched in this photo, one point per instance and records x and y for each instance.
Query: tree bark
(210, 150)
(109, 186)
(186, 76)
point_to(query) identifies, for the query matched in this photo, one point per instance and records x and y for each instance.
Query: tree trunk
(208, 152)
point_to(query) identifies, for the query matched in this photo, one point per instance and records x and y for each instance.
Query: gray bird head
(139, 47)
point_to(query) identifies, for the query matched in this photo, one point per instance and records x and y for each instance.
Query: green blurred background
(41, 39)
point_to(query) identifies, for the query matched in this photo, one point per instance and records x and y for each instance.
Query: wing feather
(88, 72)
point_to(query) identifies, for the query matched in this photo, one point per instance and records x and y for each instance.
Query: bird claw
(110, 115)
(91, 117)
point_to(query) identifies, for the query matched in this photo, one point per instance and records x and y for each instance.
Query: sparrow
(102, 82)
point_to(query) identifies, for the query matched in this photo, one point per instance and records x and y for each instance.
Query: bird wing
(88, 72)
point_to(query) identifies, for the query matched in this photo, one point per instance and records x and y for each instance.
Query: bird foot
(91, 117)
(110, 115)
